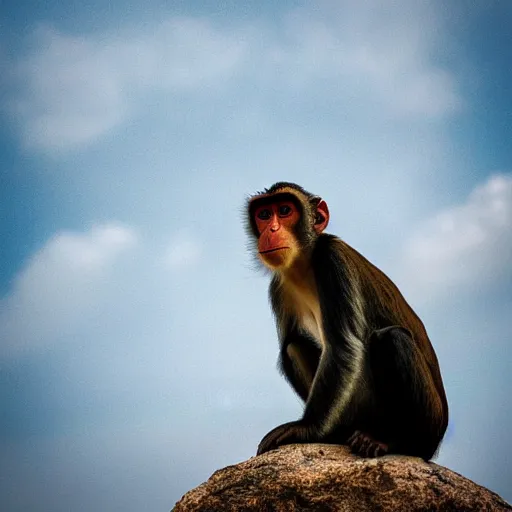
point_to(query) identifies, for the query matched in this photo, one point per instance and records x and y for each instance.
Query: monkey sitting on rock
(350, 345)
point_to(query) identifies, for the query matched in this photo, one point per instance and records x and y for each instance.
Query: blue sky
(137, 347)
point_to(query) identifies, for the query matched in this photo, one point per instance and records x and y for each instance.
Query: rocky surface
(327, 477)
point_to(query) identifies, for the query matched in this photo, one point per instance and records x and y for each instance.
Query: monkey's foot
(365, 445)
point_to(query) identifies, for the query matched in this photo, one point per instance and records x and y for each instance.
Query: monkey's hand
(288, 433)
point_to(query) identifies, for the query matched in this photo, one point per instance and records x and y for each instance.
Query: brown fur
(351, 345)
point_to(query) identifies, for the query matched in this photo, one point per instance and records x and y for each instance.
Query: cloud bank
(70, 90)
(60, 286)
(466, 245)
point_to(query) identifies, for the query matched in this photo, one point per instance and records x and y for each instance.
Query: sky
(137, 348)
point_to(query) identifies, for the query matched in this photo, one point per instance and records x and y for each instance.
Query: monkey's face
(277, 243)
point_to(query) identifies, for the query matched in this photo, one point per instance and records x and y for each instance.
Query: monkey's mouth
(273, 250)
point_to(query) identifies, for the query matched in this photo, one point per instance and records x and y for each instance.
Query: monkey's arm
(343, 354)
(344, 327)
(341, 363)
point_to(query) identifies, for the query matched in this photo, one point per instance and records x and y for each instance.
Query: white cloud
(468, 243)
(60, 285)
(75, 88)
(72, 92)
(384, 52)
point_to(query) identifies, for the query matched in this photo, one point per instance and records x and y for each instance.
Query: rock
(327, 477)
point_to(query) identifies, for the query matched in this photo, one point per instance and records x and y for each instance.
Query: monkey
(351, 347)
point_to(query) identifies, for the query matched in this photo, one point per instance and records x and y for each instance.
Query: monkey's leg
(408, 406)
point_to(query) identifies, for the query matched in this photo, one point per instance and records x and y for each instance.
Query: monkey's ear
(322, 216)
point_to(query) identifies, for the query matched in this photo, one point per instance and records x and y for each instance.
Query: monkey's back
(384, 303)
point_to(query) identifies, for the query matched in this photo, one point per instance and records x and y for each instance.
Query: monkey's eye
(284, 210)
(264, 214)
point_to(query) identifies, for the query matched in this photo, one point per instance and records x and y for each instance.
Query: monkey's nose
(274, 226)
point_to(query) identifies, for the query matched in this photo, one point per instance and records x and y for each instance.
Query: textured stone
(327, 478)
